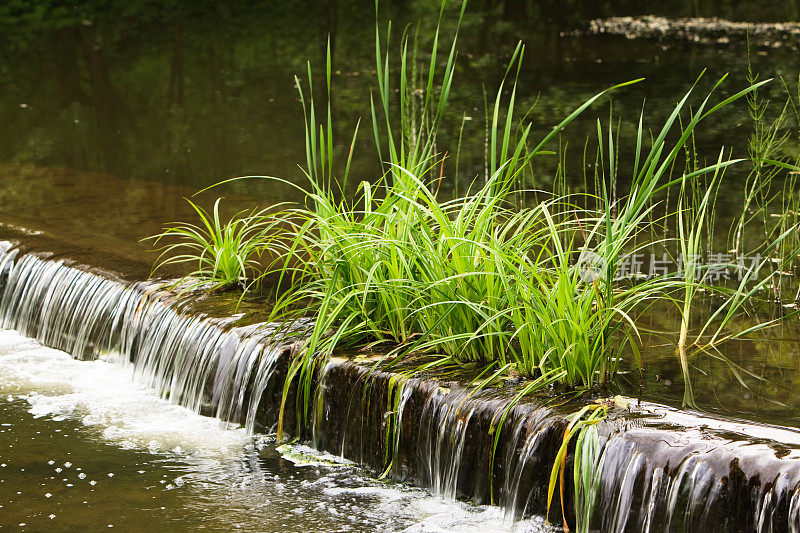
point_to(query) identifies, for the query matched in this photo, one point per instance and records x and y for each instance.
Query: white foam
(102, 393)
(433, 514)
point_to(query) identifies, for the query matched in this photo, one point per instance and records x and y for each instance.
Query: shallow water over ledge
(82, 446)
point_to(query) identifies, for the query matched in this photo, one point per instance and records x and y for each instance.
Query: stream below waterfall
(83, 446)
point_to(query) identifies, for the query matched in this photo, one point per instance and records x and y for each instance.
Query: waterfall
(526, 458)
(206, 364)
(670, 470)
(443, 430)
(663, 468)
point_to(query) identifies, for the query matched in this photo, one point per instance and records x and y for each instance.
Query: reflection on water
(83, 447)
(188, 95)
(103, 211)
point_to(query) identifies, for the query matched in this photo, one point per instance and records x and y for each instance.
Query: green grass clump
(480, 280)
(223, 254)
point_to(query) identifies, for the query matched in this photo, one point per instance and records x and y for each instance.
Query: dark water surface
(112, 113)
(118, 95)
(191, 94)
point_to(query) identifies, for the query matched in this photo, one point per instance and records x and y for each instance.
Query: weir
(663, 468)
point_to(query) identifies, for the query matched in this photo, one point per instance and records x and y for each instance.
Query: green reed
(223, 254)
(479, 280)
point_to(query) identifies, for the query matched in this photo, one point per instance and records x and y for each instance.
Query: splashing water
(663, 468)
(118, 454)
(198, 362)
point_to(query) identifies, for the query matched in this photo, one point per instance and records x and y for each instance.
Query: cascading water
(527, 458)
(202, 363)
(663, 469)
(439, 435)
(443, 430)
(661, 474)
(60, 306)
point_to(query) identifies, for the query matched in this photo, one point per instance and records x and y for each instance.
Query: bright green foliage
(223, 254)
(478, 279)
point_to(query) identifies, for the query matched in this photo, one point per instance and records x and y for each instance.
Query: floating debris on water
(699, 30)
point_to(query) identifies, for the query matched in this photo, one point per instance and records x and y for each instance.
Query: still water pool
(83, 447)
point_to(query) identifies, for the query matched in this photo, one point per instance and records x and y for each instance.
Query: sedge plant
(222, 254)
(473, 280)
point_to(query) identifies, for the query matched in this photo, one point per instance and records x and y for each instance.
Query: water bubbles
(93, 482)
(47, 495)
(81, 475)
(67, 464)
(110, 474)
